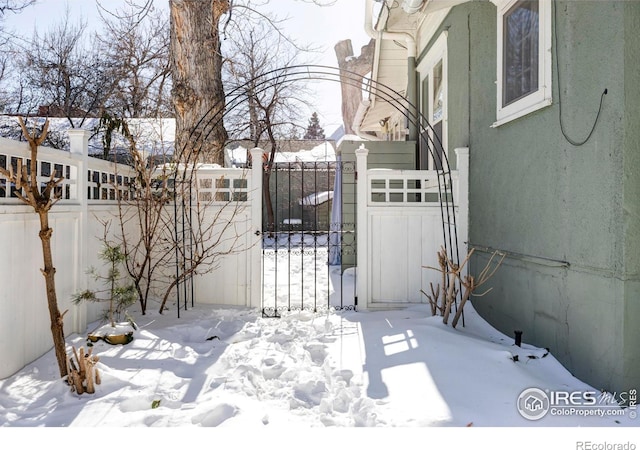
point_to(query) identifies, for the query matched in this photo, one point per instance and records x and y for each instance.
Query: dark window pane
(520, 52)
(45, 169)
(14, 163)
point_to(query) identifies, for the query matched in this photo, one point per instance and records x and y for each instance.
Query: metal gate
(309, 237)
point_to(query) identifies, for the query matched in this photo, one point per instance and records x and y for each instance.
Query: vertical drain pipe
(412, 90)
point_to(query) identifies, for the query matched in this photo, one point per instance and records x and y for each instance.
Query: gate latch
(258, 233)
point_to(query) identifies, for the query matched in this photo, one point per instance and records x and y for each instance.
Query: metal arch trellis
(300, 73)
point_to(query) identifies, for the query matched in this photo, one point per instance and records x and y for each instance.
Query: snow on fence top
(322, 152)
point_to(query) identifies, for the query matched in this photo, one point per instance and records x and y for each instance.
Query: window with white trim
(524, 58)
(433, 105)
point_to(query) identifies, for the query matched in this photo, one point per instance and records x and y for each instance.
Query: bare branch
(451, 275)
(14, 6)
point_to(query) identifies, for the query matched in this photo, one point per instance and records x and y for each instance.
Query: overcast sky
(308, 24)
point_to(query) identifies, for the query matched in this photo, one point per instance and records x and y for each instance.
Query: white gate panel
(228, 282)
(409, 215)
(402, 246)
(390, 257)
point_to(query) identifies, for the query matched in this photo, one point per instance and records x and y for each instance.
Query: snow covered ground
(278, 383)
(297, 274)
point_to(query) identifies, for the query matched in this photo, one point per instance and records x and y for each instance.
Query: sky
(320, 380)
(307, 23)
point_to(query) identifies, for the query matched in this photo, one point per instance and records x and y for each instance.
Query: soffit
(391, 83)
(391, 55)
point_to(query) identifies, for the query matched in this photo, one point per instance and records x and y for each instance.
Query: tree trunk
(57, 324)
(196, 68)
(41, 201)
(271, 221)
(352, 72)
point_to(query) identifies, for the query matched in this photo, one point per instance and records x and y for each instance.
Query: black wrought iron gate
(309, 237)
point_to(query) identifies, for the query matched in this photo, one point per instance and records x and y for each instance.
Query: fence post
(79, 149)
(255, 255)
(462, 154)
(362, 233)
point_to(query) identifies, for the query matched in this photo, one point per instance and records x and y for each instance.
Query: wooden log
(83, 374)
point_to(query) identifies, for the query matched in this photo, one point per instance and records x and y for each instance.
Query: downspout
(357, 122)
(412, 90)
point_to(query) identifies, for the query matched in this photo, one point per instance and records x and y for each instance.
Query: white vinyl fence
(396, 237)
(89, 199)
(88, 196)
(400, 229)
(231, 206)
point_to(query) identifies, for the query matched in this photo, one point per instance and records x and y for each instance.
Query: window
(524, 58)
(433, 82)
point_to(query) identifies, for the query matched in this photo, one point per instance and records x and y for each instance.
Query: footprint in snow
(318, 352)
(272, 370)
(216, 416)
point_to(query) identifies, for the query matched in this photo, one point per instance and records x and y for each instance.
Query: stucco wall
(567, 215)
(631, 198)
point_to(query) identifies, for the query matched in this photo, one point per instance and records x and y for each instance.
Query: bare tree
(144, 209)
(352, 72)
(136, 44)
(14, 6)
(5, 60)
(196, 67)
(29, 191)
(66, 77)
(7, 50)
(162, 197)
(198, 95)
(209, 233)
(274, 106)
